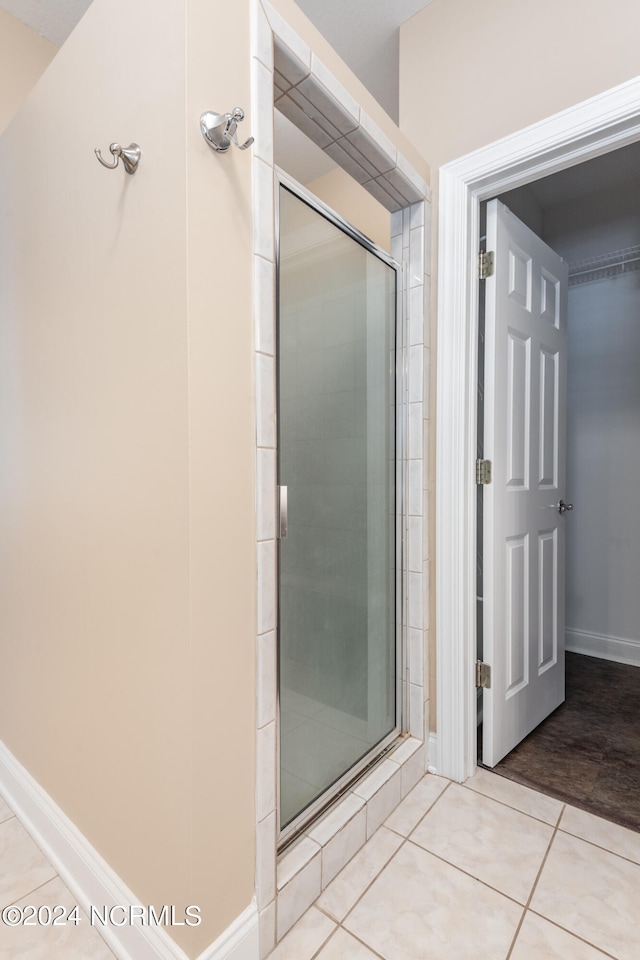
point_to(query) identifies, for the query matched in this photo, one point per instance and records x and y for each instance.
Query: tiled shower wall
(305, 90)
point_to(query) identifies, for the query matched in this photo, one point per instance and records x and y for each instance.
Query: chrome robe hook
(219, 130)
(130, 157)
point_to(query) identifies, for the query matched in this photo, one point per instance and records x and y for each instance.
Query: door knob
(563, 507)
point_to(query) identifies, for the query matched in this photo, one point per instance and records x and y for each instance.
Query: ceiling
(364, 33)
(52, 19)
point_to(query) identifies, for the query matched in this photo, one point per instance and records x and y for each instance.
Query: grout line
(471, 876)
(324, 912)
(368, 946)
(440, 795)
(397, 832)
(598, 846)
(533, 887)
(43, 884)
(369, 885)
(516, 933)
(509, 806)
(324, 942)
(571, 933)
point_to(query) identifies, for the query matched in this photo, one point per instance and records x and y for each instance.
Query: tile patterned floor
(488, 870)
(27, 878)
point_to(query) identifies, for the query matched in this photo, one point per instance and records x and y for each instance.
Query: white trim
(596, 126)
(603, 646)
(240, 941)
(432, 753)
(93, 882)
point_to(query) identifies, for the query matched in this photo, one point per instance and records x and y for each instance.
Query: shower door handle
(283, 514)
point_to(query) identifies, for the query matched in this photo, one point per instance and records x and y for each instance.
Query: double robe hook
(219, 130)
(130, 157)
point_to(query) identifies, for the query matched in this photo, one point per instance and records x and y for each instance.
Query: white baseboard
(607, 648)
(92, 881)
(432, 753)
(240, 941)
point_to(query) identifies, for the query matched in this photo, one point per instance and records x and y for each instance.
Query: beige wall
(222, 469)
(355, 204)
(24, 56)
(472, 73)
(127, 571)
(127, 492)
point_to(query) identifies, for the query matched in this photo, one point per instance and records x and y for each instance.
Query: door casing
(593, 127)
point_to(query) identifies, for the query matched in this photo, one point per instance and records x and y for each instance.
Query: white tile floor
(27, 878)
(490, 870)
(486, 871)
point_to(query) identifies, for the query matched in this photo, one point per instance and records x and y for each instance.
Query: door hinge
(483, 675)
(485, 264)
(483, 471)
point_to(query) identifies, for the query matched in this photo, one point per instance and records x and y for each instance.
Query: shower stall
(339, 489)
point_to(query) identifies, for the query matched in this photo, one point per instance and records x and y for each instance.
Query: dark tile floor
(587, 752)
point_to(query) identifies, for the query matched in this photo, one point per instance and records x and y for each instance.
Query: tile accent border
(287, 72)
(307, 867)
(92, 881)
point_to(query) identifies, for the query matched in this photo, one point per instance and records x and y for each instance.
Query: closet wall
(603, 402)
(603, 421)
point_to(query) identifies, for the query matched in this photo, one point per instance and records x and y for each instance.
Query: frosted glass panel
(336, 456)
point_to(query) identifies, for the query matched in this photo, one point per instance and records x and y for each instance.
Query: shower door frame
(288, 883)
(309, 813)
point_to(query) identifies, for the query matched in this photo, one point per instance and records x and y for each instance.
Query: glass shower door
(337, 488)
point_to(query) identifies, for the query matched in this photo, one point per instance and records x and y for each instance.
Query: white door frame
(596, 126)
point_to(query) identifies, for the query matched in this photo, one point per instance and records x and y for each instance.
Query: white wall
(603, 423)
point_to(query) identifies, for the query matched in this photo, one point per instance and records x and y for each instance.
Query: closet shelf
(605, 265)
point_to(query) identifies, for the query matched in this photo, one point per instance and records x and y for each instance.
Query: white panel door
(524, 437)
